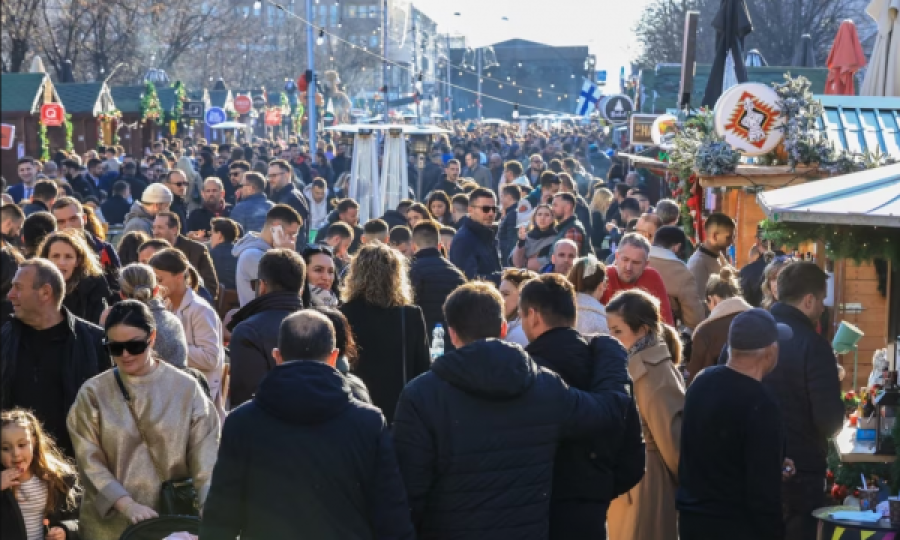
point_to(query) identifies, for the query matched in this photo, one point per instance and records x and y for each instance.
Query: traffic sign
(273, 117)
(215, 115)
(243, 104)
(259, 102)
(52, 114)
(617, 108)
(194, 109)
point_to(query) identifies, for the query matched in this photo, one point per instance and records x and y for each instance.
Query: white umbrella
(883, 75)
(229, 125)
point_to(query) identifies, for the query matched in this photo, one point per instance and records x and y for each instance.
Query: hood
(251, 240)
(137, 211)
(274, 301)
(490, 369)
(566, 352)
(589, 303)
(303, 392)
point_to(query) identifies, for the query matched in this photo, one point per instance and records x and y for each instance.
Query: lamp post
(311, 88)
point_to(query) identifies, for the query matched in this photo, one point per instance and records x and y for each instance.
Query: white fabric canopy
(364, 185)
(869, 197)
(394, 179)
(883, 75)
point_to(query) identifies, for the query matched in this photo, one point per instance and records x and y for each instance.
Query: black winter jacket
(507, 234)
(254, 333)
(393, 218)
(474, 250)
(380, 365)
(477, 435)
(339, 481)
(806, 385)
(88, 300)
(83, 357)
(12, 525)
(294, 198)
(433, 279)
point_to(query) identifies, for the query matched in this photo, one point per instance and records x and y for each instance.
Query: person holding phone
(282, 225)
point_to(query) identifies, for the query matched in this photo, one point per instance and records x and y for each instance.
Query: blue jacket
(251, 212)
(806, 385)
(477, 435)
(17, 192)
(304, 459)
(225, 264)
(474, 250)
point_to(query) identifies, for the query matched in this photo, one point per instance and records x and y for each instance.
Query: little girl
(38, 485)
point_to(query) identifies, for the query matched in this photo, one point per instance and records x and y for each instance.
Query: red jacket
(650, 281)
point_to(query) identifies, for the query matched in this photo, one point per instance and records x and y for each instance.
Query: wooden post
(688, 59)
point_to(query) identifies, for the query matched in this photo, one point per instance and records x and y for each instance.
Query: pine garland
(69, 129)
(180, 98)
(854, 242)
(150, 107)
(43, 142)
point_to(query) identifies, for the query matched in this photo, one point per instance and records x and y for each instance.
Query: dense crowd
(531, 347)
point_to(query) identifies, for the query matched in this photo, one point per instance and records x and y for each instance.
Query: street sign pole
(311, 89)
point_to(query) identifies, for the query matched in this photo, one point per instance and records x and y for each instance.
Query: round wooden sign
(748, 117)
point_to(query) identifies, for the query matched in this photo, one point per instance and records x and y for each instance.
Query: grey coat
(171, 344)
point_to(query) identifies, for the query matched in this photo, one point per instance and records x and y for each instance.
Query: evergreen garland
(150, 107)
(854, 242)
(43, 142)
(69, 129)
(180, 98)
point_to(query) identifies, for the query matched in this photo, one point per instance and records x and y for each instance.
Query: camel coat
(647, 512)
(687, 306)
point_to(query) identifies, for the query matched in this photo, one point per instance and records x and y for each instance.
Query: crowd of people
(531, 347)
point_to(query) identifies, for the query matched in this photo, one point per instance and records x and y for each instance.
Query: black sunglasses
(117, 348)
(179, 184)
(486, 209)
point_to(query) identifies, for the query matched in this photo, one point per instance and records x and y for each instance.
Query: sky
(605, 26)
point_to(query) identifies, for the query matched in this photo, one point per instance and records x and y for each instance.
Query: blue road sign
(215, 115)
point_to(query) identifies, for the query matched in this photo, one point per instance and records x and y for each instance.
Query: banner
(7, 135)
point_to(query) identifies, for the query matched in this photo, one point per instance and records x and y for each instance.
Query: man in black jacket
(806, 385)
(583, 477)
(341, 478)
(44, 196)
(46, 353)
(254, 328)
(507, 234)
(474, 249)
(166, 226)
(449, 183)
(116, 205)
(476, 436)
(282, 191)
(433, 277)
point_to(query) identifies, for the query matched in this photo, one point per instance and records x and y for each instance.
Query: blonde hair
(775, 266)
(379, 276)
(88, 265)
(48, 462)
(138, 281)
(601, 201)
(724, 284)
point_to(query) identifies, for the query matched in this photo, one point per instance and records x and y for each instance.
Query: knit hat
(156, 193)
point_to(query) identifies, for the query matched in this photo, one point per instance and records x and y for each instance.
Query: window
(373, 41)
(323, 15)
(351, 12)
(271, 15)
(333, 15)
(373, 12)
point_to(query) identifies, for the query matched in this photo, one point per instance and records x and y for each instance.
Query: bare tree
(19, 20)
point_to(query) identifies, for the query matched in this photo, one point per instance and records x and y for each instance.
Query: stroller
(161, 527)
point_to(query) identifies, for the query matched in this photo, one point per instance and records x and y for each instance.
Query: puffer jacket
(591, 315)
(476, 437)
(138, 219)
(474, 250)
(254, 333)
(433, 279)
(250, 213)
(88, 299)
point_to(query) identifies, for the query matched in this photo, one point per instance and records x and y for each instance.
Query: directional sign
(617, 108)
(194, 109)
(601, 77)
(243, 104)
(215, 115)
(52, 114)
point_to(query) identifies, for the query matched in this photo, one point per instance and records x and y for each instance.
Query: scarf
(322, 297)
(537, 234)
(650, 340)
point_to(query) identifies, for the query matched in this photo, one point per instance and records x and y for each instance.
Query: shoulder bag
(176, 497)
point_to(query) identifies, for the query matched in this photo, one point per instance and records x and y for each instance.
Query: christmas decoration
(43, 142)
(150, 107)
(854, 242)
(68, 130)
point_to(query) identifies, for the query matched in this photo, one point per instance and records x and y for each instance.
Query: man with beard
(177, 183)
(476, 171)
(27, 175)
(631, 271)
(317, 195)
(450, 183)
(568, 224)
(214, 206)
(474, 249)
(11, 219)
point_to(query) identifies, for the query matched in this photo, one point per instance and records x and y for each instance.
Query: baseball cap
(156, 193)
(756, 329)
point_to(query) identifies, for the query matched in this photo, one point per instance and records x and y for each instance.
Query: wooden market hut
(867, 203)
(21, 98)
(93, 114)
(137, 126)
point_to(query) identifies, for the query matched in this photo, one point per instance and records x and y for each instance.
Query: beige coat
(647, 512)
(687, 306)
(203, 332)
(710, 337)
(703, 266)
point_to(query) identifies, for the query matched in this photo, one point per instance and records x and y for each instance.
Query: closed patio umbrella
(755, 59)
(883, 76)
(804, 55)
(845, 59)
(732, 24)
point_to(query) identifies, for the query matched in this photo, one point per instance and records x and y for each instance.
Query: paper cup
(868, 499)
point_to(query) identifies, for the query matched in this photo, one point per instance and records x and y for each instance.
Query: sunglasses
(179, 184)
(117, 348)
(486, 209)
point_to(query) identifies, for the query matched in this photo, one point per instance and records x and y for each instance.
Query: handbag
(176, 497)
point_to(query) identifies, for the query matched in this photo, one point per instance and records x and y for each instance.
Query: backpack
(628, 451)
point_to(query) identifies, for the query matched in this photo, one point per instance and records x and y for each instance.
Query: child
(38, 484)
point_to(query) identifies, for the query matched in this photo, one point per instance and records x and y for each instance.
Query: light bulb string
(408, 69)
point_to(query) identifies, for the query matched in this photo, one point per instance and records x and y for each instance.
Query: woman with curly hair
(86, 287)
(389, 330)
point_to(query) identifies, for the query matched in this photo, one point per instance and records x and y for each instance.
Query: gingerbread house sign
(748, 117)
